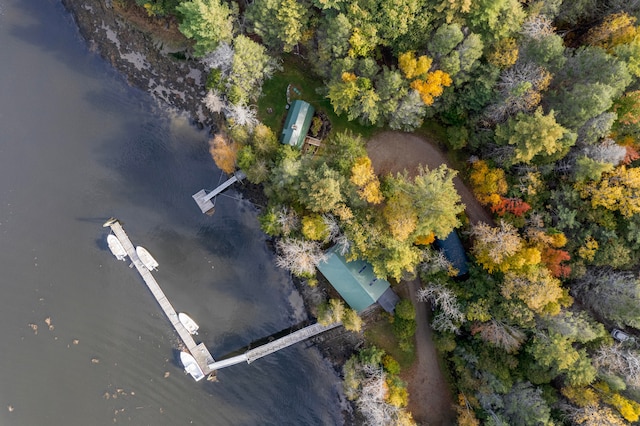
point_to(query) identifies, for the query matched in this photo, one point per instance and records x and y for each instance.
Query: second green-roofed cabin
(297, 124)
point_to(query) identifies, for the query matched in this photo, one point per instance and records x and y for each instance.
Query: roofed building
(297, 123)
(454, 252)
(356, 282)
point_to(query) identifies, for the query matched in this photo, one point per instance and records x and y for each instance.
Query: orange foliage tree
(553, 259)
(432, 86)
(632, 155)
(515, 206)
(224, 153)
(488, 184)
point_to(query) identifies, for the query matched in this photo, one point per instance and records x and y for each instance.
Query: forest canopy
(539, 101)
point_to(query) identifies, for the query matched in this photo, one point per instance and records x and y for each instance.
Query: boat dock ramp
(199, 351)
(204, 200)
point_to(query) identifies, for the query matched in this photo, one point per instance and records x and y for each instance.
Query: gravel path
(430, 399)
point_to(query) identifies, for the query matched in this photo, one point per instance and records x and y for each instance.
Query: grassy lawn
(296, 73)
(381, 335)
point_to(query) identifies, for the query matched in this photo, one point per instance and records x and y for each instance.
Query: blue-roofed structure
(297, 123)
(356, 282)
(454, 252)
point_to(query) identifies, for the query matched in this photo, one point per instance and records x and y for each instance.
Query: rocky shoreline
(147, 53)
(148, 60)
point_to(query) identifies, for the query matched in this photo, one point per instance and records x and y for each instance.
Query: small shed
(297, 124)
(454, 252)
(356, 282)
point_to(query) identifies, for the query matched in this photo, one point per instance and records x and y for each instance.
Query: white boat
(146, 258)
(191, 366)
(191, 326)
(116, 247)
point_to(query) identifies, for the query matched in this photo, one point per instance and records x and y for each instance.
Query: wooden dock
(199, 351)
(271, 347)
(204, 200)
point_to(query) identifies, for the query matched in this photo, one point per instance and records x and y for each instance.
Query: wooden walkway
(199, 351)
(204, 200)
(271, 347)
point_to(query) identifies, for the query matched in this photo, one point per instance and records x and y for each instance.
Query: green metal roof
(355, 281)
(297, 124)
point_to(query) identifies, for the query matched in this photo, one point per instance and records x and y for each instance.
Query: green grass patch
(272, 104)
(381, 335)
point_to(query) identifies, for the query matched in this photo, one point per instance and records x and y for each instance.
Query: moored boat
(191, 326)
(116, 247)
(191, 366)
(146, 258)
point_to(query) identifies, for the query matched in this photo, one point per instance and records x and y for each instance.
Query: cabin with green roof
(297, 124)
(356, 282)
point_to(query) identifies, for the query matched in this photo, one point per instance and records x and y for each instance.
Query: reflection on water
(77, 146)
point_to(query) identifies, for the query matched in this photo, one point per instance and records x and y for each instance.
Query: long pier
(199, 351)
(271, 347)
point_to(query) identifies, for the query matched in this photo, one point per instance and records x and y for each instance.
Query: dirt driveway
(393, 152)
(430, 399)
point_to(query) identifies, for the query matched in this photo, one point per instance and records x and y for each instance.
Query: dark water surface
(77, 145)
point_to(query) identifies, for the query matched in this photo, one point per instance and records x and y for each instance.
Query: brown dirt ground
(430, 399)
(393, 152)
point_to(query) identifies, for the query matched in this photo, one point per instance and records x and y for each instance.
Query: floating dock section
(204, 200)
(198, 351)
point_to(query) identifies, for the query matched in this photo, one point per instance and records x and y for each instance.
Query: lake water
(78, 145)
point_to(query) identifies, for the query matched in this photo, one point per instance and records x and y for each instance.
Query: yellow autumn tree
(538, 289)
(400, 216)
(464, 410)
(224, 153)
(413, 67)
(452, 9)
(588, 250)
(618, 190)
(488, 183)
(432, 86)
(363, 176)
(629, 409)
(615, 29)
(541, 239)
(348, 77)
(504, 53)
(581, 396)
(494, 245)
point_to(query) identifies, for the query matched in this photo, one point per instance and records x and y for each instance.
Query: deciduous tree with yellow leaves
(413, 67)
(618, 190)
(363, 176)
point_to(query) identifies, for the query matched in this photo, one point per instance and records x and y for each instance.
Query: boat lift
(204, 200)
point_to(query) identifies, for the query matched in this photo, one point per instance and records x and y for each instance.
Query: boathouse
(297, 124)
(453, 250)
(356, 282)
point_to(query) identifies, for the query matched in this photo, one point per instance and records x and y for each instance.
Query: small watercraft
(146, 258)
(191, 326)
(191, 366)
(116, 247)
